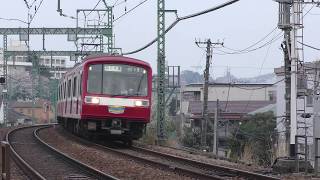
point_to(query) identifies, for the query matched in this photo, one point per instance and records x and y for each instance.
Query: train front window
(119, 80)
(94, 79)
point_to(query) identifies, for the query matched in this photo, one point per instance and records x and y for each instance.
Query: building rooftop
(238, 107)
(25, 104)
(230, 84)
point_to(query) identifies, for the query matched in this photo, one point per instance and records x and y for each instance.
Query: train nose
(116, 123)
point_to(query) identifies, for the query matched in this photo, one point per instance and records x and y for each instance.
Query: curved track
(197, 169)
(41, 161)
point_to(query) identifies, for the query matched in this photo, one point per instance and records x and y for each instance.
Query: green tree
(254, 139)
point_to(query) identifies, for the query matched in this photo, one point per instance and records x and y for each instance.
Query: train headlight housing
(141, 103)
(92, 100)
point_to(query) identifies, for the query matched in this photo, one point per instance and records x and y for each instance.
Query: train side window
(69, 88)
(74, 86)
(58, 92)
(61, 92)
(80, 84)
(65, 90)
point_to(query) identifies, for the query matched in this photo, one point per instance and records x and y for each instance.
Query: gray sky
(239, 25)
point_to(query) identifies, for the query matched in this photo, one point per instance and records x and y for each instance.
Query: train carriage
(106, 96)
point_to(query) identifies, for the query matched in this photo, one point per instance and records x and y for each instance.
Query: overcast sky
(239, 26)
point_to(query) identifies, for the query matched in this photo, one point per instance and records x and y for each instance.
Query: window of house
(271, 95)
(19, 59)
(24, 58)
(196, 95)
(309, 98)
(62, 62)
(191, 95)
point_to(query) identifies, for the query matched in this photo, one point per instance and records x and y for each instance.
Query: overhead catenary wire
(35, 13)
(181, 19)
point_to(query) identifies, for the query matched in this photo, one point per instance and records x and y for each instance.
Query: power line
(95, 7)
(127, 12)
(181, 19)
(14, 19)
(274, 39)
(115, 4)
(262, 39)
(27, 4)
(309, 46)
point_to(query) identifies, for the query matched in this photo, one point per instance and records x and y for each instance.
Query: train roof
(106, 58)
(112, 58)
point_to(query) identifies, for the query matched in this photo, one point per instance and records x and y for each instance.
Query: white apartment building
(57, 64)
(305, 105)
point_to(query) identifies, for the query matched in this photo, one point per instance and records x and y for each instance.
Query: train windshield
(117, 80)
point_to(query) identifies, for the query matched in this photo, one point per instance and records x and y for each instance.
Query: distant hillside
(188, 77)
(265, 78)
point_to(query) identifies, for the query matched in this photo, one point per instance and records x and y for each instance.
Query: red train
(106, 96)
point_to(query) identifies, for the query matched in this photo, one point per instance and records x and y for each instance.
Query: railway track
(221, 171)
(41, 161)
(173, 163)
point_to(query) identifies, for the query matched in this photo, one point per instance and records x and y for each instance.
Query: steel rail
(22, 164)
(33, 173)
(94, 172)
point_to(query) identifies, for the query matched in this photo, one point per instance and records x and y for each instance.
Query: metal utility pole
(206, 73)
(161, 72)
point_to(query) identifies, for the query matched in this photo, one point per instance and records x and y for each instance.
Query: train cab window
(94, 79)
(117, 80)
(74, 86)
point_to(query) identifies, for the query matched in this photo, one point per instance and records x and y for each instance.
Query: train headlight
(92, 100)
(141, 103)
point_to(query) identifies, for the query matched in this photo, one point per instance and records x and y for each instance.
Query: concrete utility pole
(5, 85)
(285, 25)
(291, 22)
(206, 74)
(215, 130)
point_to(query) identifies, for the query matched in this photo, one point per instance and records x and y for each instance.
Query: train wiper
(113, 95)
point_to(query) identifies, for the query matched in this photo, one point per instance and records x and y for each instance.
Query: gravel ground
(111, 163)
(202, 158)
(16, 173)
